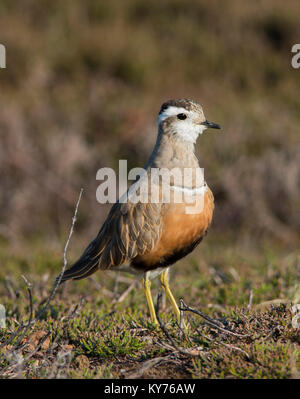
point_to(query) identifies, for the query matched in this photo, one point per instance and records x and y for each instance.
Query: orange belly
(181, 233)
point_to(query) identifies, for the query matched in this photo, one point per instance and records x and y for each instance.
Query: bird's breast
(184, 225)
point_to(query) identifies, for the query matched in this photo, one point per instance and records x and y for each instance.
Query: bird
(148, 237)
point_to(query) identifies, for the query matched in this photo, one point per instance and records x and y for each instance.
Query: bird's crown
(188, 105)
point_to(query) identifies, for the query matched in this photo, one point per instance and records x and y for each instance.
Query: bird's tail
(86, 265)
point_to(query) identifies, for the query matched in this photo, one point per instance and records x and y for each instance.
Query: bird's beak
(211, 125)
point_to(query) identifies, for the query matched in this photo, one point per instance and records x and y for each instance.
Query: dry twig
(213, 323)
(31, 321)
(65, 262)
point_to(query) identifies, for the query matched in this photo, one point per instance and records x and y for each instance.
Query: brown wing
(129, 230)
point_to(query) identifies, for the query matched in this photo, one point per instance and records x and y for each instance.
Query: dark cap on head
(183, 103)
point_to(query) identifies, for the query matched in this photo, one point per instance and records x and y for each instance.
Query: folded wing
(129, 230)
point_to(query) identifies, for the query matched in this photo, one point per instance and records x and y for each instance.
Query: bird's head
(183, 119)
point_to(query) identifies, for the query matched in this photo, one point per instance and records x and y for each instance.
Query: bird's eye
(181, 116)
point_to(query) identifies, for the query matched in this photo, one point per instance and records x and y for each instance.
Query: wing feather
(129, 230)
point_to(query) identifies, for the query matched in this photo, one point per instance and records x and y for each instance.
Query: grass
(86, 333)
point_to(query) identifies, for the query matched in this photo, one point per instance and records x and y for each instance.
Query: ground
(100, 328)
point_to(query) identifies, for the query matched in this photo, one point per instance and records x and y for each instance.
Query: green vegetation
(90, 335)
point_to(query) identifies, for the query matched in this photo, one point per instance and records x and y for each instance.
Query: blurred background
(84, 83)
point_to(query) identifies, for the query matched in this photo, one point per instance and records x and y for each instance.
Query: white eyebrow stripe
(171, 111)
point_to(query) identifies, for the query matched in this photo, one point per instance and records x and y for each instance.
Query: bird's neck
(170, 153)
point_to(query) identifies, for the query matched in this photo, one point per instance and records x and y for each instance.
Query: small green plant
(124, 344)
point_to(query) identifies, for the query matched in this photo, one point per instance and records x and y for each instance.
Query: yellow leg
(146, 286)
(165, 285)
